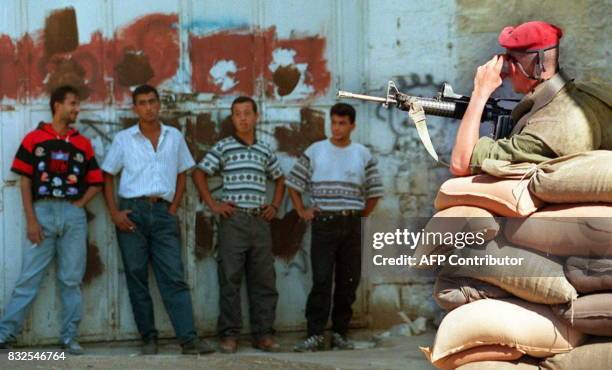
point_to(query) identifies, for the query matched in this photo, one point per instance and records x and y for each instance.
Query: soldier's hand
(35, 232)
(308, 214)
(225, 209)
(122, 221)
(488, 77)
(269, 212)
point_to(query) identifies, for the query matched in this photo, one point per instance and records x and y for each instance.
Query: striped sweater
(244, 169)
(338, 178)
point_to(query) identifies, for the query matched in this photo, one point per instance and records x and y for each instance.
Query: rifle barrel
(350, 95)
(430, 106)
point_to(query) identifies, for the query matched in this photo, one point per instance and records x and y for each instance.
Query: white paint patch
(282, 58)
(222, 72)
(286, 57)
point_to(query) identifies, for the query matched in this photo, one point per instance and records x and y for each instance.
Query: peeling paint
(287, 235)
(199, 134)
(68, 72)
(90, 216)
(134, 69)
(40, 63)
(6, 108)
(95, 266)
(204, 236)
(223, 73)
(296, 138)
(61, 34)
(286, 79)
(257, 54)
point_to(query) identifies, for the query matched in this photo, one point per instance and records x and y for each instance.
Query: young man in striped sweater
(245, 242)
(345, 185)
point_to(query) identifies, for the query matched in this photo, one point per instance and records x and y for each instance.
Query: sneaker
(340, 342)
(196, 347)
(311, 344)
(150, 346)
(73, 347)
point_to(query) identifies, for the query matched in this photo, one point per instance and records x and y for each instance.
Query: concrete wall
(292, 56)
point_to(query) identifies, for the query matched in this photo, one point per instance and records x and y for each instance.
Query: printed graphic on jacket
(59, 166)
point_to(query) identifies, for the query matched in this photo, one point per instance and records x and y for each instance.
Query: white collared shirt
(144, 170)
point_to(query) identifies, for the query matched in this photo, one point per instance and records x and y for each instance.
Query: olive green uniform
(559, 117)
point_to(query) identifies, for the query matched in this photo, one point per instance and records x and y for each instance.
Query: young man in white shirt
(345, 185)
(153, 160)
(245, 242)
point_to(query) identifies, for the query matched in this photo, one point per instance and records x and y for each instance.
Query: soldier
(59, 175)
(556, 117)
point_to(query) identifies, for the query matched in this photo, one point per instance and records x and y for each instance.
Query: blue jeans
(65, 236)
(156, 238)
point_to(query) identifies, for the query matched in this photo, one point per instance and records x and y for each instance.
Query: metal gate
(289, 55)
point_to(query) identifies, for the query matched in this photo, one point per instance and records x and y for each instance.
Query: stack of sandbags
(579, 227)
(591, 313)
(499, 330)
(454, 220)
(592, 356)
(545, 235)
(538, 279)
(565, 230)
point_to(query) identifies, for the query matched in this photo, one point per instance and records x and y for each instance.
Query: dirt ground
(391, 353)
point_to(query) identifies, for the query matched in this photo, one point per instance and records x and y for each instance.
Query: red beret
(530, 36)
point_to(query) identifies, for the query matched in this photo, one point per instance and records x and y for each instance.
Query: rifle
(446, 103)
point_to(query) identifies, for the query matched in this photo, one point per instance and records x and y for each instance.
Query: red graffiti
(252, 54)
(26, 70)
(309, 50)
(9, 69)
(155, 36)
(148, 51)
(239, 46)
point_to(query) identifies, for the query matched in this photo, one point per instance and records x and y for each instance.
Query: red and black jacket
(60, 166)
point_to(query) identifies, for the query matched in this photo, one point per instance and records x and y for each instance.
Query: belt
(328, 215)
(250, 211)
(152, 199)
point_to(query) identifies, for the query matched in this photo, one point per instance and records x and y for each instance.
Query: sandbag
(509, 198)
(455, 220)
(525, 363)
(575, 178)
(589, 275)
(565, 230)
(590, 314)
(531, 328)
(596, 356)
(477, 354)
(451, 292)
(539, 278)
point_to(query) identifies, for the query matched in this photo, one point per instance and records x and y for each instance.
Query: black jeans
(156, 238)
(336, 242)
(245, 248)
